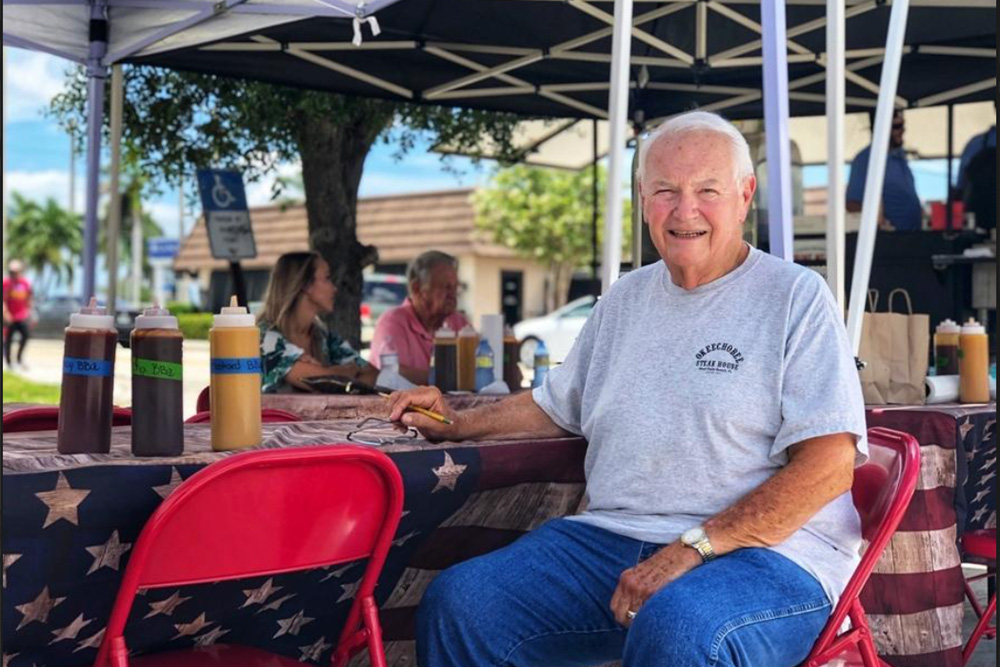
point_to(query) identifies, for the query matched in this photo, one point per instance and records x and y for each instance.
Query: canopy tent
(551, 57)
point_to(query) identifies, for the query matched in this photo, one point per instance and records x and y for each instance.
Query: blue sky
(38, 154)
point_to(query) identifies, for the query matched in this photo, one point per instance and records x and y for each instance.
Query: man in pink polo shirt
(17, 299)
(433, 286)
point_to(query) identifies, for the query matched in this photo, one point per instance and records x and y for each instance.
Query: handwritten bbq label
(88, 367)
(235, 366)
(157, 370)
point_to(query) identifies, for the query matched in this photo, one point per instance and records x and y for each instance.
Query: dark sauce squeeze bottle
(157, 386)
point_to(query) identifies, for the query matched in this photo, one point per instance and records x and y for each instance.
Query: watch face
(693, 536)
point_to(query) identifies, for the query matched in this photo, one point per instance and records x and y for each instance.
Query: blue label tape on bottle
(88, 367)
(236, 366)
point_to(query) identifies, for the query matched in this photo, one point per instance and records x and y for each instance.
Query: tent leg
(115, 207)
(876, 170)
(621, 51)
(835, 108)
(595, 258)
(779, 159)
(95, 116)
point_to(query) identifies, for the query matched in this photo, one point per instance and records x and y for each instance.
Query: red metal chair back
(267, 415)
(270, 512)
(46, 418)
(882, 491)
(202, 405)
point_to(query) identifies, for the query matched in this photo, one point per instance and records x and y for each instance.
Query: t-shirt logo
(719, 358)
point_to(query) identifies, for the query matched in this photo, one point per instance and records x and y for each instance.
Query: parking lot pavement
(43, 363)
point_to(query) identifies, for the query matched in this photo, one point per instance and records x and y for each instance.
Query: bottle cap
(468, 331)
(92, 316)
(949, 327)
(508, 331)
(444, 332)
(972, 327)
(541, 349)
(234, 315)
(484, 346)
(155, 317)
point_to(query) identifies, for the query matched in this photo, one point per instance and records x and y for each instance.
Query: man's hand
(638, 584)
(431, 399)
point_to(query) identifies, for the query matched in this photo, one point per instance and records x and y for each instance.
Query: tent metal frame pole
(4, 149)
(779, 158)
(876, 171)
(954, 94)
(115, 205)
(621, 48)
(949, 169)
(637, 237)
(836, 106)
(28, 45)
(595, 262)
(97, 74)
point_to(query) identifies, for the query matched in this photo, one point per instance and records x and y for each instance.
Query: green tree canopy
(176, 122)
(46, 237)
(546, 215)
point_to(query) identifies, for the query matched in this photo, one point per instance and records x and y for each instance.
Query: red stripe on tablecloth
(927, 426)
(912, 593)
(950, 658)
(931, 509)
(558, 461)
(449, 546)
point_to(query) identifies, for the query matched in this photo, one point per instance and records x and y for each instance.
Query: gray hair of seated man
(699, 121)
(420, 268)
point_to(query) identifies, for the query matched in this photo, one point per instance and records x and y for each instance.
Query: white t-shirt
(690, 399)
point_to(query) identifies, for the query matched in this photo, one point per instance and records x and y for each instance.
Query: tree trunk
(333, 155)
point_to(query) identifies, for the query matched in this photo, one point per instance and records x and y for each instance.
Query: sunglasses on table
(379, 432)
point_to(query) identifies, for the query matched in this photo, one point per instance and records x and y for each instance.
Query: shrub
(181, 308)
(195, 326)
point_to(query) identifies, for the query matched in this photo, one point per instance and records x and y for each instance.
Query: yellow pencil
(424, 411)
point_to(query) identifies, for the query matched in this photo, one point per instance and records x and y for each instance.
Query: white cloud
(42, 185)
(33, 79)
(259, 193)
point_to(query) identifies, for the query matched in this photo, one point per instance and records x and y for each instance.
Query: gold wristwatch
(697, 539)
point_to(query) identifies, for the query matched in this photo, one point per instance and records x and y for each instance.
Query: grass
(18, 390)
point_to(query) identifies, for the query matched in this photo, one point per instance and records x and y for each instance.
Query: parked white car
(558, 329)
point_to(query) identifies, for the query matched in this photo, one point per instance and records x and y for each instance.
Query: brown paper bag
(895, 348)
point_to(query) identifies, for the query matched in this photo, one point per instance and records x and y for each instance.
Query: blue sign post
(227, 220)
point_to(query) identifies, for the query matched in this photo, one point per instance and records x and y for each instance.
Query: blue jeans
(544, 602)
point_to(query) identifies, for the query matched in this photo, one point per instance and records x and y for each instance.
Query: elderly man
(724, 414)
(432, 280)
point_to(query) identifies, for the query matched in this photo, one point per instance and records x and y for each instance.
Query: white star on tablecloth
(350, 590)
(313, 652)
(166, 607)
(8, 560)
(260, 595)
(38, 609)
(192, 628)
(398, 542)
(71, 631)
(167, 489)
(211, 637)
(93, 642)
(275, 604)
(980, 514)
(987, 478)
(447, 474)
(63, 502)
(981, 495)
(108, 554)
(337, 574)
(965, 427)
(292, 625)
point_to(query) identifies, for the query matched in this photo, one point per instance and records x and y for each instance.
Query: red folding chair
(201, 534)
(267, 415)
(202, 404)
(46, 418)
(981, 546)
(882, 491)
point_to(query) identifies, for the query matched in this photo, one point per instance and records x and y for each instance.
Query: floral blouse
(278, 355)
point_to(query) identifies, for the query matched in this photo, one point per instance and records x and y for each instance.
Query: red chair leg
(376, 650)
(982, 628)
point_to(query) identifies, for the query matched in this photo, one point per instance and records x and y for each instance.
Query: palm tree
(131, 210)
(45, 237)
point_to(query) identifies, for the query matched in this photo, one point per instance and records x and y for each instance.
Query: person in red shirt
(409, 329)
(17, 302)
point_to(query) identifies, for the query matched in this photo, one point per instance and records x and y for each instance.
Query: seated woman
(294, 343)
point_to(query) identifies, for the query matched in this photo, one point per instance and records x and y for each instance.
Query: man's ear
(749, 188)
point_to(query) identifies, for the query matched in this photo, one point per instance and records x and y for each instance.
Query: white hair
(699, 121)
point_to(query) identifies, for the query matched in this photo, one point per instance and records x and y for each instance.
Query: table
(321, 407)
(69, 523)
(915, 598)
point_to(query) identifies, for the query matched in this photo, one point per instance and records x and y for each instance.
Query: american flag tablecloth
(69, 523)
(915, 598)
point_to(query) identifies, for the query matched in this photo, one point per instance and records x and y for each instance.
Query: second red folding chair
(307, 507)
(981, 546)
(882, 491)
(267, 415)
(46, 418)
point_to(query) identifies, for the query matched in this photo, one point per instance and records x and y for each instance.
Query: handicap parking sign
(227, 218)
